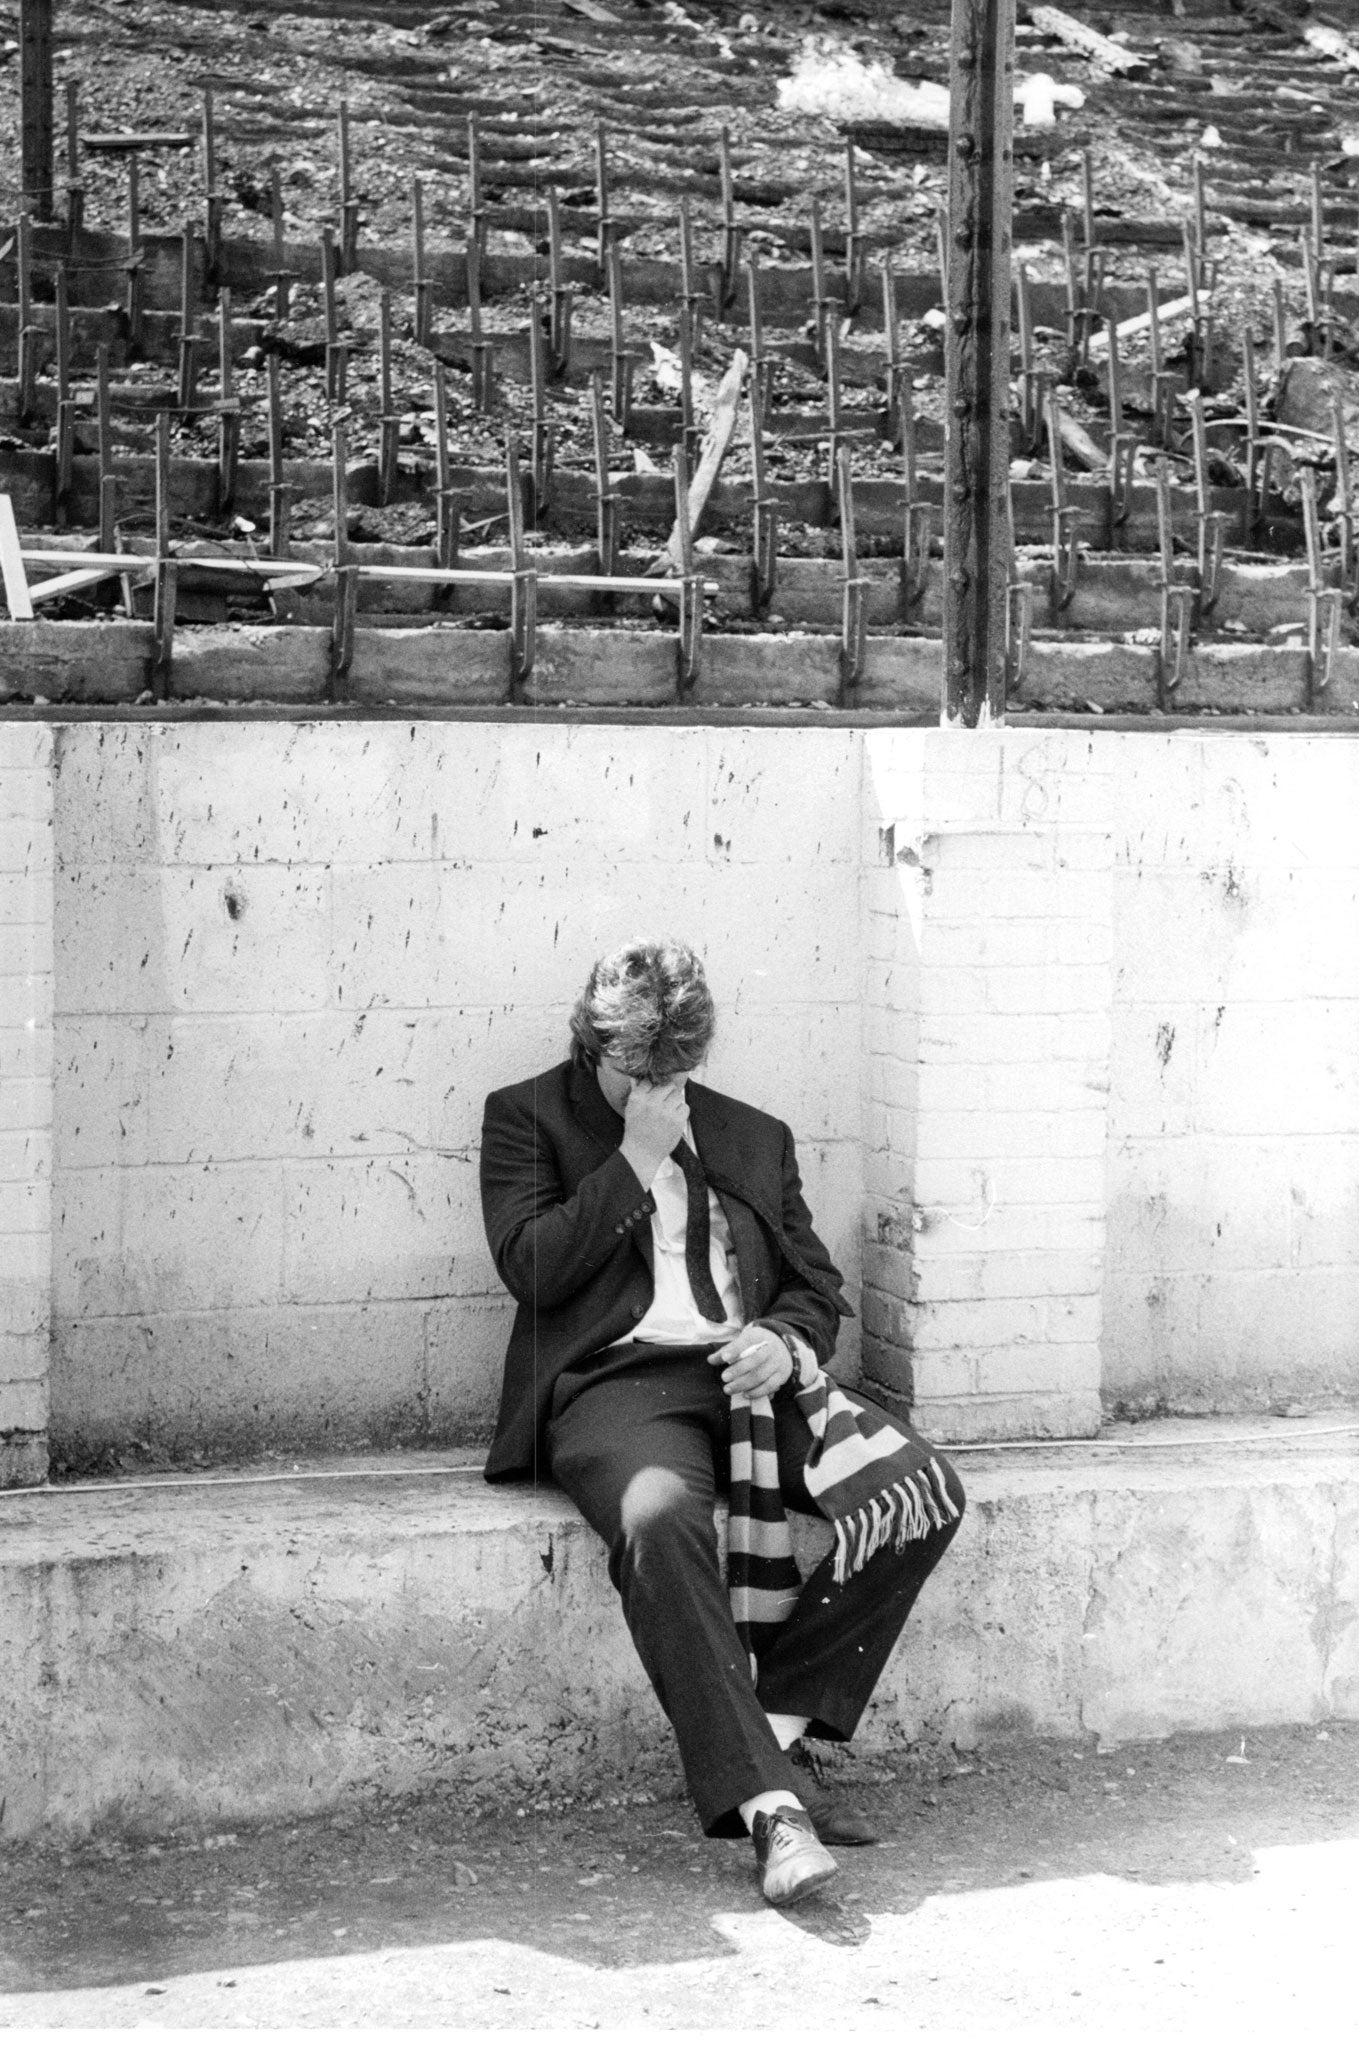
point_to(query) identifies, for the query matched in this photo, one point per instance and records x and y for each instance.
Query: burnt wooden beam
(977, 542)
(35, 105)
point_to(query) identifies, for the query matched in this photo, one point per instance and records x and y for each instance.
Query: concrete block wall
(988, 922)
(26, 868)
(292, 960)
(1232, 1277)
(1064, 1022)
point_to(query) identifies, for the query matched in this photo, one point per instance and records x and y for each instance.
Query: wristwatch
(793, 1353)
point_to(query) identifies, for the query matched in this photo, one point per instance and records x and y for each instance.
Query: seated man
(676, 1310)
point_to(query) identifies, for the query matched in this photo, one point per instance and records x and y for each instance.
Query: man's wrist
(795, 1360)
(643, 1163)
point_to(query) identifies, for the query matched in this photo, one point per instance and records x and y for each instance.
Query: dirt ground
(1206, 1882)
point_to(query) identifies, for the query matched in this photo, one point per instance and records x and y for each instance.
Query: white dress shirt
(674, 1316)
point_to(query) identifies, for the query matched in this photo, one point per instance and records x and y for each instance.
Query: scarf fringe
(902, 1513)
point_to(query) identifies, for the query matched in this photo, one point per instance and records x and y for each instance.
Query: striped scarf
(874, 1483)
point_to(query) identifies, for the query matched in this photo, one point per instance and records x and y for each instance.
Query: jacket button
(637, 1308)
(618, 1230)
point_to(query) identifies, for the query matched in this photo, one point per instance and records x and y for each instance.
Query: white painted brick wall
(983, 1263)
(292, 962)
(1014, 991)
(26, 1043)
(1234, 1113)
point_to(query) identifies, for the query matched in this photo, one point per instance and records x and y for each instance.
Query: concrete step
(276, 1642)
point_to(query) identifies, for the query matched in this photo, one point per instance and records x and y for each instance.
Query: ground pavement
(1206, 1884)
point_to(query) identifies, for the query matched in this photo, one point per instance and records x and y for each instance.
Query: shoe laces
(787, 1829)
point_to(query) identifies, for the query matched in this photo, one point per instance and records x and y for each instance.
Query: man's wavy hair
(646, 1006)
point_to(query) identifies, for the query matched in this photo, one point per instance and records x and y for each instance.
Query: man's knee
(665, 1533)
(658, 1506)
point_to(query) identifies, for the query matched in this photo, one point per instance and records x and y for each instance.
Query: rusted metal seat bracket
(1033, 382)
(853, 618)
(1211, 524)
(606, 500)
(1178, 600)
(690, 646)
(917, 513)
(1344, 507)
(620, 359)
(482, 390)
(542, 437)
(447, 516)
(524, 587)
(1325, 601)
(1066, 519)
(765, 538)
(562, 295)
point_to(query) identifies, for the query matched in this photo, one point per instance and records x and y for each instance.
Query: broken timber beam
(35, 97)
(716, 442)
(1110, 56)
(18, 598)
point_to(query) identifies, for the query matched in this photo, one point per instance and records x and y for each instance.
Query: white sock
(787, 1727)
(766, 1802)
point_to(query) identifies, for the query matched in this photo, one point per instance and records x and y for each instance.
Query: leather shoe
(789, 1857)
(835, 1820)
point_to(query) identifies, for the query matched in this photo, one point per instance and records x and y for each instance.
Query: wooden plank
(139, 139)
(12, 564)
(717, 440)
(73, 580)
(1110, 56)
(1168, 309)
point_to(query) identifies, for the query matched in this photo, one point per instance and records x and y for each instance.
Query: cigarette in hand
(749, 1352)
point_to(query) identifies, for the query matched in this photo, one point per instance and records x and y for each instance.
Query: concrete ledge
(187, 1654)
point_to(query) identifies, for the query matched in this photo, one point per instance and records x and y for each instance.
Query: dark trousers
(642, 1450)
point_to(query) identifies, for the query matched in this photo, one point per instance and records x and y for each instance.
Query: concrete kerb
(186, 1654)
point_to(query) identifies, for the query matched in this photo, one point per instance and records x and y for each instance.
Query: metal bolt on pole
(977, 533)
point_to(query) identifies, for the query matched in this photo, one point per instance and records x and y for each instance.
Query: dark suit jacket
(569, 1225)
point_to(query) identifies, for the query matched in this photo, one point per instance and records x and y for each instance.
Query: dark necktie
(696, 1258)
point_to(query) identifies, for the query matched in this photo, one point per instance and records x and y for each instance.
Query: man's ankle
(766, 1802)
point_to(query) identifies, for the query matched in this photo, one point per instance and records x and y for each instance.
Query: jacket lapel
(590, 1109)
(718, 1142)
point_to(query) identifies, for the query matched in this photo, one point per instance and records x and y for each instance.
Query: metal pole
(977, 538)
(35, 116)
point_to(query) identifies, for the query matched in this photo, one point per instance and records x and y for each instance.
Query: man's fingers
(755, 1388)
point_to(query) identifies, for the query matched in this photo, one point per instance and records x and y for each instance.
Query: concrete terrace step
(186, 1652)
